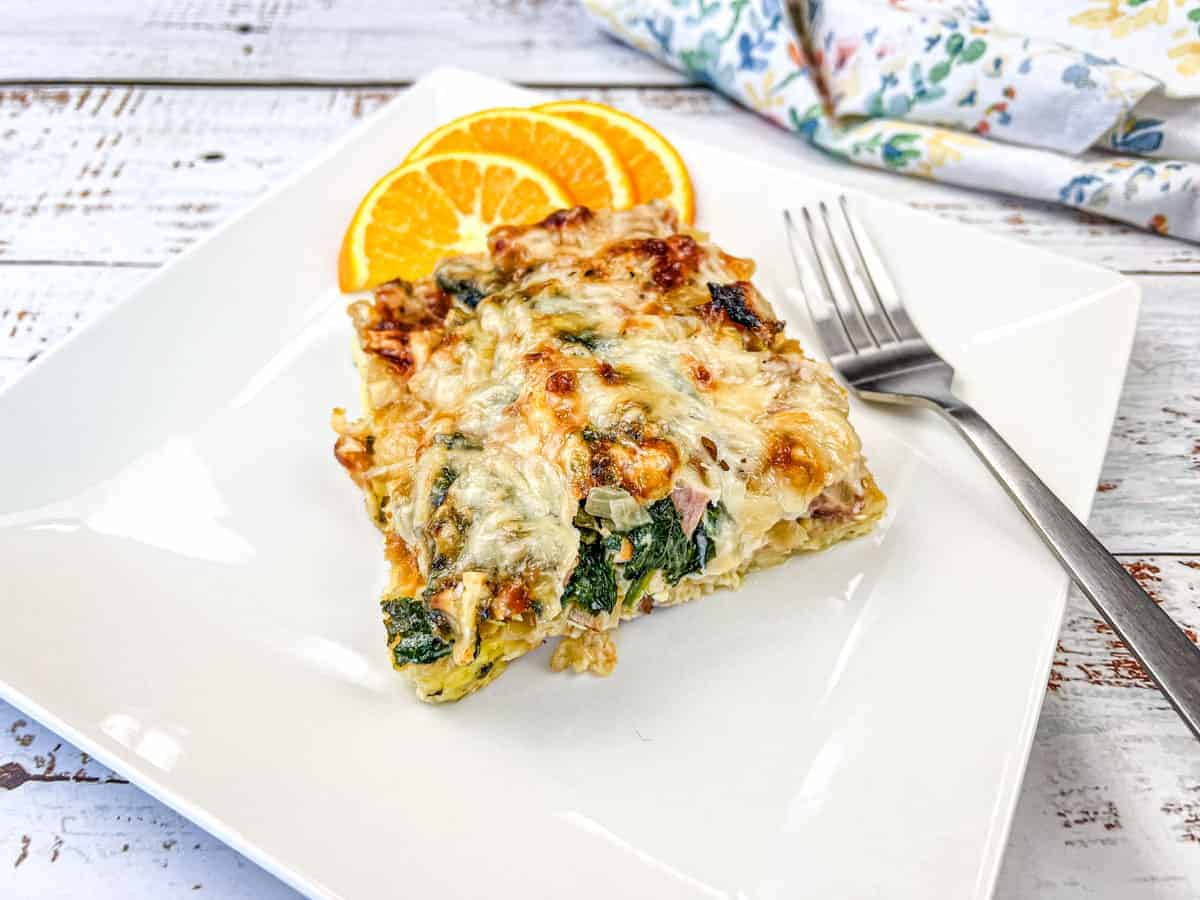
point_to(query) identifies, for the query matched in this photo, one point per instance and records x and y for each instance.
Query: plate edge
(1014, 777)
(140, 779)
(327, 151)
(997, 838)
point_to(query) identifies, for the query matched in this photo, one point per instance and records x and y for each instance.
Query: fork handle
(1161, 647)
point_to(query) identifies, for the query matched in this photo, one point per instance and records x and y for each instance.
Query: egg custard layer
(598, 417)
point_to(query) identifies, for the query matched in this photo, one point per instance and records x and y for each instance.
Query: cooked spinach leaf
(635, 591)
(662, 544)
(593, 585)
(659, 545)
(441, 486)
(412, 632)
(589, 340)
(465, 291)
(456, 440)
(703, 538)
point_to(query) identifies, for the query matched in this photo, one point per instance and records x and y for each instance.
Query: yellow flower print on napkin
(943, 146)
(1124, 17)
(764, 99)
(1187, 55)
(1123, 22)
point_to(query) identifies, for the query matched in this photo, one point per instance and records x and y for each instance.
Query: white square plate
(190, 583)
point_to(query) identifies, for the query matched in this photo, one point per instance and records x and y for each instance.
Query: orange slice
(575, 156)
(653, 164)
(440, 205)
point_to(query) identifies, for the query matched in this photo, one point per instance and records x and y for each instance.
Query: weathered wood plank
(66, 821)
(41, 305)
(137, 174)
(1149, 492)
(532, 41)
(1109, 807)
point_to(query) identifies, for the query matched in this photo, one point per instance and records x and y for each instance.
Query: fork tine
(833, 278)
(877, 278)
(857, 278)
(830, 328)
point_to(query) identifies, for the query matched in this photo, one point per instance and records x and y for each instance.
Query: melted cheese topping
(590, 350)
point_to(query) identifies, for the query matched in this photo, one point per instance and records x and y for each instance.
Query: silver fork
(874, 346)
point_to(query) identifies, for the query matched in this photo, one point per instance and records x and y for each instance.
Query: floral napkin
(1089, 103)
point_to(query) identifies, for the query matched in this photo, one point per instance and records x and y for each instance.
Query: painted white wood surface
(100, 184)
(1110, 808)
(312, 41)
(134, 174)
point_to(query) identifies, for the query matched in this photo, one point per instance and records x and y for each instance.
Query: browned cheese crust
(599, 416)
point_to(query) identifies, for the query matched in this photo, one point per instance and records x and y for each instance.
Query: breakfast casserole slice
(598, 417)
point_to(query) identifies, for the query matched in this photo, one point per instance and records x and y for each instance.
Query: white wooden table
(131, 128)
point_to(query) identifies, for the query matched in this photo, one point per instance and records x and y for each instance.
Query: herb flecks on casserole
(599, 417)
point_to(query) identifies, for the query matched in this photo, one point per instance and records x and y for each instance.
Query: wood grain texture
(41, 305)
(1148, 497)
(307, 41)
(70, 828)
(135, 175)
(1110, 808)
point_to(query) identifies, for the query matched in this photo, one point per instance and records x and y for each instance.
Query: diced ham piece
(831, 505)
(690, 503)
